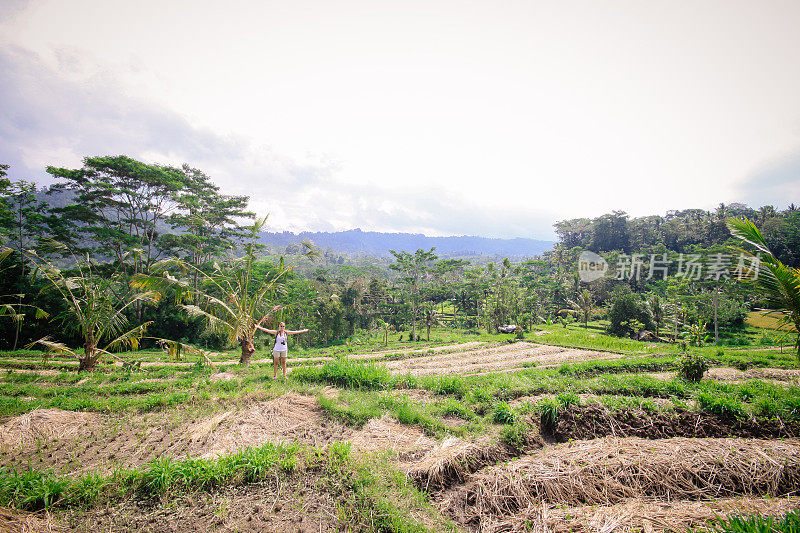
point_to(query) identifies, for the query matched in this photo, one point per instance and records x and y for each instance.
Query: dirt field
(479, 359)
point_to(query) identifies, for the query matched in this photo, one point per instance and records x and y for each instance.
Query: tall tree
(121, 205)
(25, 223)
(209, 220)
(414, 270)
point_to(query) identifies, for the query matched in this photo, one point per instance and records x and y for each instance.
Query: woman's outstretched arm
(270, 331)
(292, 332)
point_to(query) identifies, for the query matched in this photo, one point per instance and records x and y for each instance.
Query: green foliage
(756, 523)
(629, 315)
(778, 283)
(692, 366)
(347, 373)
(550, 409)
(503, 414)
(516, 435)
(721, 404)
(37, 489)
(32, 490)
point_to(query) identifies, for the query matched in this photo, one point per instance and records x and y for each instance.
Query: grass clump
(692, 366)
(756, 523)
(723, 405)
(347, 374)
(503, 414)
(375, 496)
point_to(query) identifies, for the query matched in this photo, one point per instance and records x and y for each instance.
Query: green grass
(371, 493)
(755, 523)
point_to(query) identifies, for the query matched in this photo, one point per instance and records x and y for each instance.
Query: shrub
(628, 315)
(691, 367)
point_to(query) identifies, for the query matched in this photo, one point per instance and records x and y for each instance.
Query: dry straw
(385, 433)
(452, 461)
(635, 515)
(43, 424)
(611, 470)
(15, 521)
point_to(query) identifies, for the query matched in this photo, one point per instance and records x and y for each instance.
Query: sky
(438, 117)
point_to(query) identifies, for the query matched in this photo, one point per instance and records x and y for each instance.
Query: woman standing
(280, 349)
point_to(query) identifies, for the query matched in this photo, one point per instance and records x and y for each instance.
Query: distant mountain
(375, 243)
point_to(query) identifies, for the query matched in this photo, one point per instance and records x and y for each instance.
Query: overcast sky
(464, 117)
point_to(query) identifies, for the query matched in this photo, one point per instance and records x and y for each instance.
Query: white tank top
(280, 343)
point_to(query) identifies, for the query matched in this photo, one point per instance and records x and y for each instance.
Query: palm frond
(130, 339)
(53, 347)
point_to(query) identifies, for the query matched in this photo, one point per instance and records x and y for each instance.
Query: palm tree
(583, 306)
(14, 310)
(229, 299)
(779, 284)
(431, 317)
(96, 306)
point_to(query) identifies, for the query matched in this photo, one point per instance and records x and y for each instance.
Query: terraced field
(475, 436)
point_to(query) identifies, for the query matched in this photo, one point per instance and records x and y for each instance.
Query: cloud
(53, 116)
(775, 183)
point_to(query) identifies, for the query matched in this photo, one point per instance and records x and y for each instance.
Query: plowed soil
(594, 421)
(494, 359)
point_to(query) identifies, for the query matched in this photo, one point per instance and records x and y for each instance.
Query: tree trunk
(89, 360)
(716, 325)
(247, 351)
(429, 333)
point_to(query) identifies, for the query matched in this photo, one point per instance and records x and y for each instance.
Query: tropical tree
(97, 305)
(659, 308)
(119, 206)
(582, 306)
(25, 224)
(431, 318)
(414, 270)
(778, 284)
(9, 308)
(232, 299)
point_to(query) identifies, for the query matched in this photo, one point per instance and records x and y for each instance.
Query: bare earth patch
(446, 348)
(777, 376)
(495, 359)
(75, 441)
(284, 505)
(288, 418)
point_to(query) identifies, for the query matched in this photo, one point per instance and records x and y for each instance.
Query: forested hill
(375, 243)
